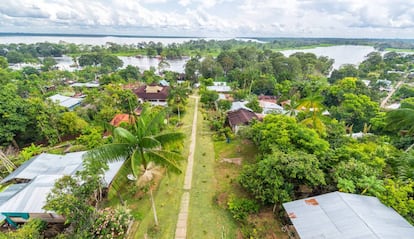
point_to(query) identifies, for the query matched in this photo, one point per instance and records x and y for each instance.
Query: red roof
(152, 92)
(121, 118)
(240, 117)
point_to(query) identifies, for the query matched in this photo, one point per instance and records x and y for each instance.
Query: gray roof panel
(346, 216)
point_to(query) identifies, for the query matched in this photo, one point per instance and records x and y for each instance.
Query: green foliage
(31, 230)
(401, 119)
(273, 179)
(355, 110)
(91, 137)
(30, 151)
(242, 207)
(13, 116)
(400, 196)
(284, 133)
(224, 105)
(208, 98)
(3, 63)
(254, 105)
(71, 124)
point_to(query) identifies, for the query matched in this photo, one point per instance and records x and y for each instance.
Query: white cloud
(370, 18)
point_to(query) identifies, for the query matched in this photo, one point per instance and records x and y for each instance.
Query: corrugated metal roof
(10, 191)
(65, 101)
(47, 164)
(219, 88)
(32, 197)
(236, 105)
(346, 216)
(43, 170)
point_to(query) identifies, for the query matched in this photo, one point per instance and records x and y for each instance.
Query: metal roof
(346, 216)
(42, 171)
(219, 88)
(65, 101)
(10, 191)
(47, 164)
(32, 197)
(88, 85)
(236, 105)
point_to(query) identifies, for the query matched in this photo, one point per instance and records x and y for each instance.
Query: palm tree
(313, 107)
(402, 119)
(144, 149)
(178, 96)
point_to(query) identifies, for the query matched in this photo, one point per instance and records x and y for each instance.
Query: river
(343, 54)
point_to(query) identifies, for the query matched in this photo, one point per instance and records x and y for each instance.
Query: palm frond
(154, 122)
(150, 142)
(124, 136)
(135, 162)
(109, 152)
(168, 138)
(402, 118)
(165, 158)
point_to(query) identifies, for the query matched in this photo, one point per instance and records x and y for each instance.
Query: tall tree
(144, 148)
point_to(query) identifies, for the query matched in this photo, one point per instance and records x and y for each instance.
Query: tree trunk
(408, 149)
(178, 108)
(153, 208)
(15, 143)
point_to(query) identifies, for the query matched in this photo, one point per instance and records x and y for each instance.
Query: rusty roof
(121, 118)
(151, 92)
(240, 117)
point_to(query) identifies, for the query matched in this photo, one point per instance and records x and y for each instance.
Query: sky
(213, 18)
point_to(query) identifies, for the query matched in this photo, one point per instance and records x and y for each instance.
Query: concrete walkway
(181, 229)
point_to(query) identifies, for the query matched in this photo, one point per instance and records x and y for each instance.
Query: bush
(31, 230)
(112, 223)
(242, 207)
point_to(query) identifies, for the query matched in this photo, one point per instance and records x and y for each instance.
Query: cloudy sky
(212, 18)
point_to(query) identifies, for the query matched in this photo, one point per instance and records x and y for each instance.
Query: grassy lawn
(206, 218)
(167, 196)
(228, 157)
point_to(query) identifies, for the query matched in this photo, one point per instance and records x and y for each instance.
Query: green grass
(206, 218)
(399, 49)
(167, 196)
(303, 47)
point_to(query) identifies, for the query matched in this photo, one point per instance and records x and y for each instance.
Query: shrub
(242, 207)
(112, 223)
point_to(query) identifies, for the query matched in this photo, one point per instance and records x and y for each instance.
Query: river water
(343, 54)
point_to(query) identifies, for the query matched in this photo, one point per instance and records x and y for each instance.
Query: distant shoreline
(8, 34)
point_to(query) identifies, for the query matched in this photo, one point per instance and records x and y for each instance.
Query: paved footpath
(181, 229)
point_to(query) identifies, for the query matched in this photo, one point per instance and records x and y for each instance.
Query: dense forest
(333, 134)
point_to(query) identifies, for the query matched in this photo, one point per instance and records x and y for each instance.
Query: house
(87, 85)
(29, 185)
(385, 85)
(393, 106)
(359, 135)
(346, 216)
(65, 101)
(235, 105)
(220, 87)
(240, 117)
(270, 107)
(155, 94)
(121, 118)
